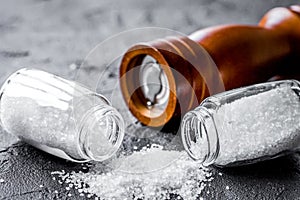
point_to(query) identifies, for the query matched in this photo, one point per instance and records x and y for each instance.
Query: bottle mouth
(102, 133)
(199, 136)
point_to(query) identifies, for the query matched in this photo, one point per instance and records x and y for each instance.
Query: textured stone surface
(56, 35)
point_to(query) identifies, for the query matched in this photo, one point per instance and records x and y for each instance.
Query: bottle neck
(101, 132)
(200, 136)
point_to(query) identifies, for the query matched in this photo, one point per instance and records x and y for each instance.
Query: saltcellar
(59, 116)
(244, 125)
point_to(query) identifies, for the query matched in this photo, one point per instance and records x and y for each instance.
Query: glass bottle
(244, 125)
(59, 116)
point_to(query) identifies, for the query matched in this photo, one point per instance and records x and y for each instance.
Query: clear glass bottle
(244, 125)
(59, 116)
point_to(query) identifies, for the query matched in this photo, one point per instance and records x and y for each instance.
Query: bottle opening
(104, 132)
(199, 136)
(194, 137)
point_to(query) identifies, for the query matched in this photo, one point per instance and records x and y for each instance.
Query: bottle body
(59, 116)
(245, 125)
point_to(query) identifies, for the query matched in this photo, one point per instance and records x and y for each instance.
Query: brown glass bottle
(228, 57)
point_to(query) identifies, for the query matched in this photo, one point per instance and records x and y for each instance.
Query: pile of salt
(135, 179)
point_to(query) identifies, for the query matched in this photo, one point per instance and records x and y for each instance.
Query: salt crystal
(2, 180)
(50, 113)
(227, 187)
(255, 127)
(270, 126)
(58, 172)
(135, 178)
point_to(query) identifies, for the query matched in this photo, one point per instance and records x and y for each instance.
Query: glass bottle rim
(100, 112)
(201, 144)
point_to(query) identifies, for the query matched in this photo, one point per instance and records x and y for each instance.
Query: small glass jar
(59, 116)
(244, 125)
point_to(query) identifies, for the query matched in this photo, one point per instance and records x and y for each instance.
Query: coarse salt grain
(270, 126)
(183, 177)
(255, 127)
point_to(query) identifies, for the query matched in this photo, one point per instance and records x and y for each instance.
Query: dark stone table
(57, 35)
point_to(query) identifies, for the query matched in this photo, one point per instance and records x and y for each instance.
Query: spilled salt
(175, 174)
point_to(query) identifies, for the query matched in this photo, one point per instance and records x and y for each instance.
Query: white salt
(256, 126)
(51, 114)
(2, 180)
(136, 179)
(39, 125)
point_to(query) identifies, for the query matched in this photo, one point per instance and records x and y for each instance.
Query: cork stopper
(164, 79)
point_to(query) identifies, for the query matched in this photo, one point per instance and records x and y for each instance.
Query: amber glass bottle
(163, 79)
